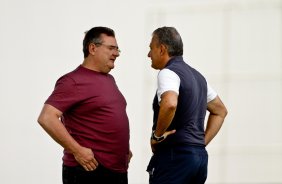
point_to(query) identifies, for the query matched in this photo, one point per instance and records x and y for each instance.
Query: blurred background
(236, 44)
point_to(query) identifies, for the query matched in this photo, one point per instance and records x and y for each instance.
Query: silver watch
(156, 138)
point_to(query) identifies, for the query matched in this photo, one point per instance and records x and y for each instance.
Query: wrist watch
(156, 138)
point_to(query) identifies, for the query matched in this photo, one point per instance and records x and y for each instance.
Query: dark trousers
(182, 165)
(102, 175)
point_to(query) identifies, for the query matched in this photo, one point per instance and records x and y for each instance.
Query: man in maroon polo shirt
(86, 114)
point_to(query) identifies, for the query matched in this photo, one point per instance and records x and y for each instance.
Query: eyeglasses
(110, 47)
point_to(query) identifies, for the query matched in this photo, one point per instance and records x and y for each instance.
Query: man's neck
(87, 63)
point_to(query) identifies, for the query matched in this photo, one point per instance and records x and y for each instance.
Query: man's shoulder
(70, 76)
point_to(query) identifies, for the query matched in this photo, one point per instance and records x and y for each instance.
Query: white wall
(236, 44)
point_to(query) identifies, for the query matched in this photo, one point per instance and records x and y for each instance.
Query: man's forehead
(107, 38)
(154, 40)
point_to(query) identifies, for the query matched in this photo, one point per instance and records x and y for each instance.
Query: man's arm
(167, 110)
(216, 117)
(50, 122)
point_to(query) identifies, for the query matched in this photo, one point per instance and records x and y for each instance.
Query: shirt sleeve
(170, 81)
(64, 94)
(211, 94)
(167, 81)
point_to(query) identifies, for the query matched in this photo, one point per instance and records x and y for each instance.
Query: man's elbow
(41, 120)
(224, 112)
(172, 105)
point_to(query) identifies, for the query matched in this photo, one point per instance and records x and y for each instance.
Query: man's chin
(154, 67)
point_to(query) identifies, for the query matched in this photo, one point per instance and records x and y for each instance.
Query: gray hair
(170, 37)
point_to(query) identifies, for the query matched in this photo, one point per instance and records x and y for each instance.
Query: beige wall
(236, 44)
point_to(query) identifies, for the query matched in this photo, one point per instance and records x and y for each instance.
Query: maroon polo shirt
(94, 113)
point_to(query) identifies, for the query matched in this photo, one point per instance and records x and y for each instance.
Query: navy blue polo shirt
(191, 108)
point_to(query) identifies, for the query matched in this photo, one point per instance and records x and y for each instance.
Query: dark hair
(171, 38)
(93, 36)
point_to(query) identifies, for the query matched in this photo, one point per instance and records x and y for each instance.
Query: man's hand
(85, 157)
(154, 143)
(130, 156)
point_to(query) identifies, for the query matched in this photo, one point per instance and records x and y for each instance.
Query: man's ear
(163, 49)
(92, 48)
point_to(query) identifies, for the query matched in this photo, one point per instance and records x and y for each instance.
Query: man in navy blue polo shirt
(179, 136)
